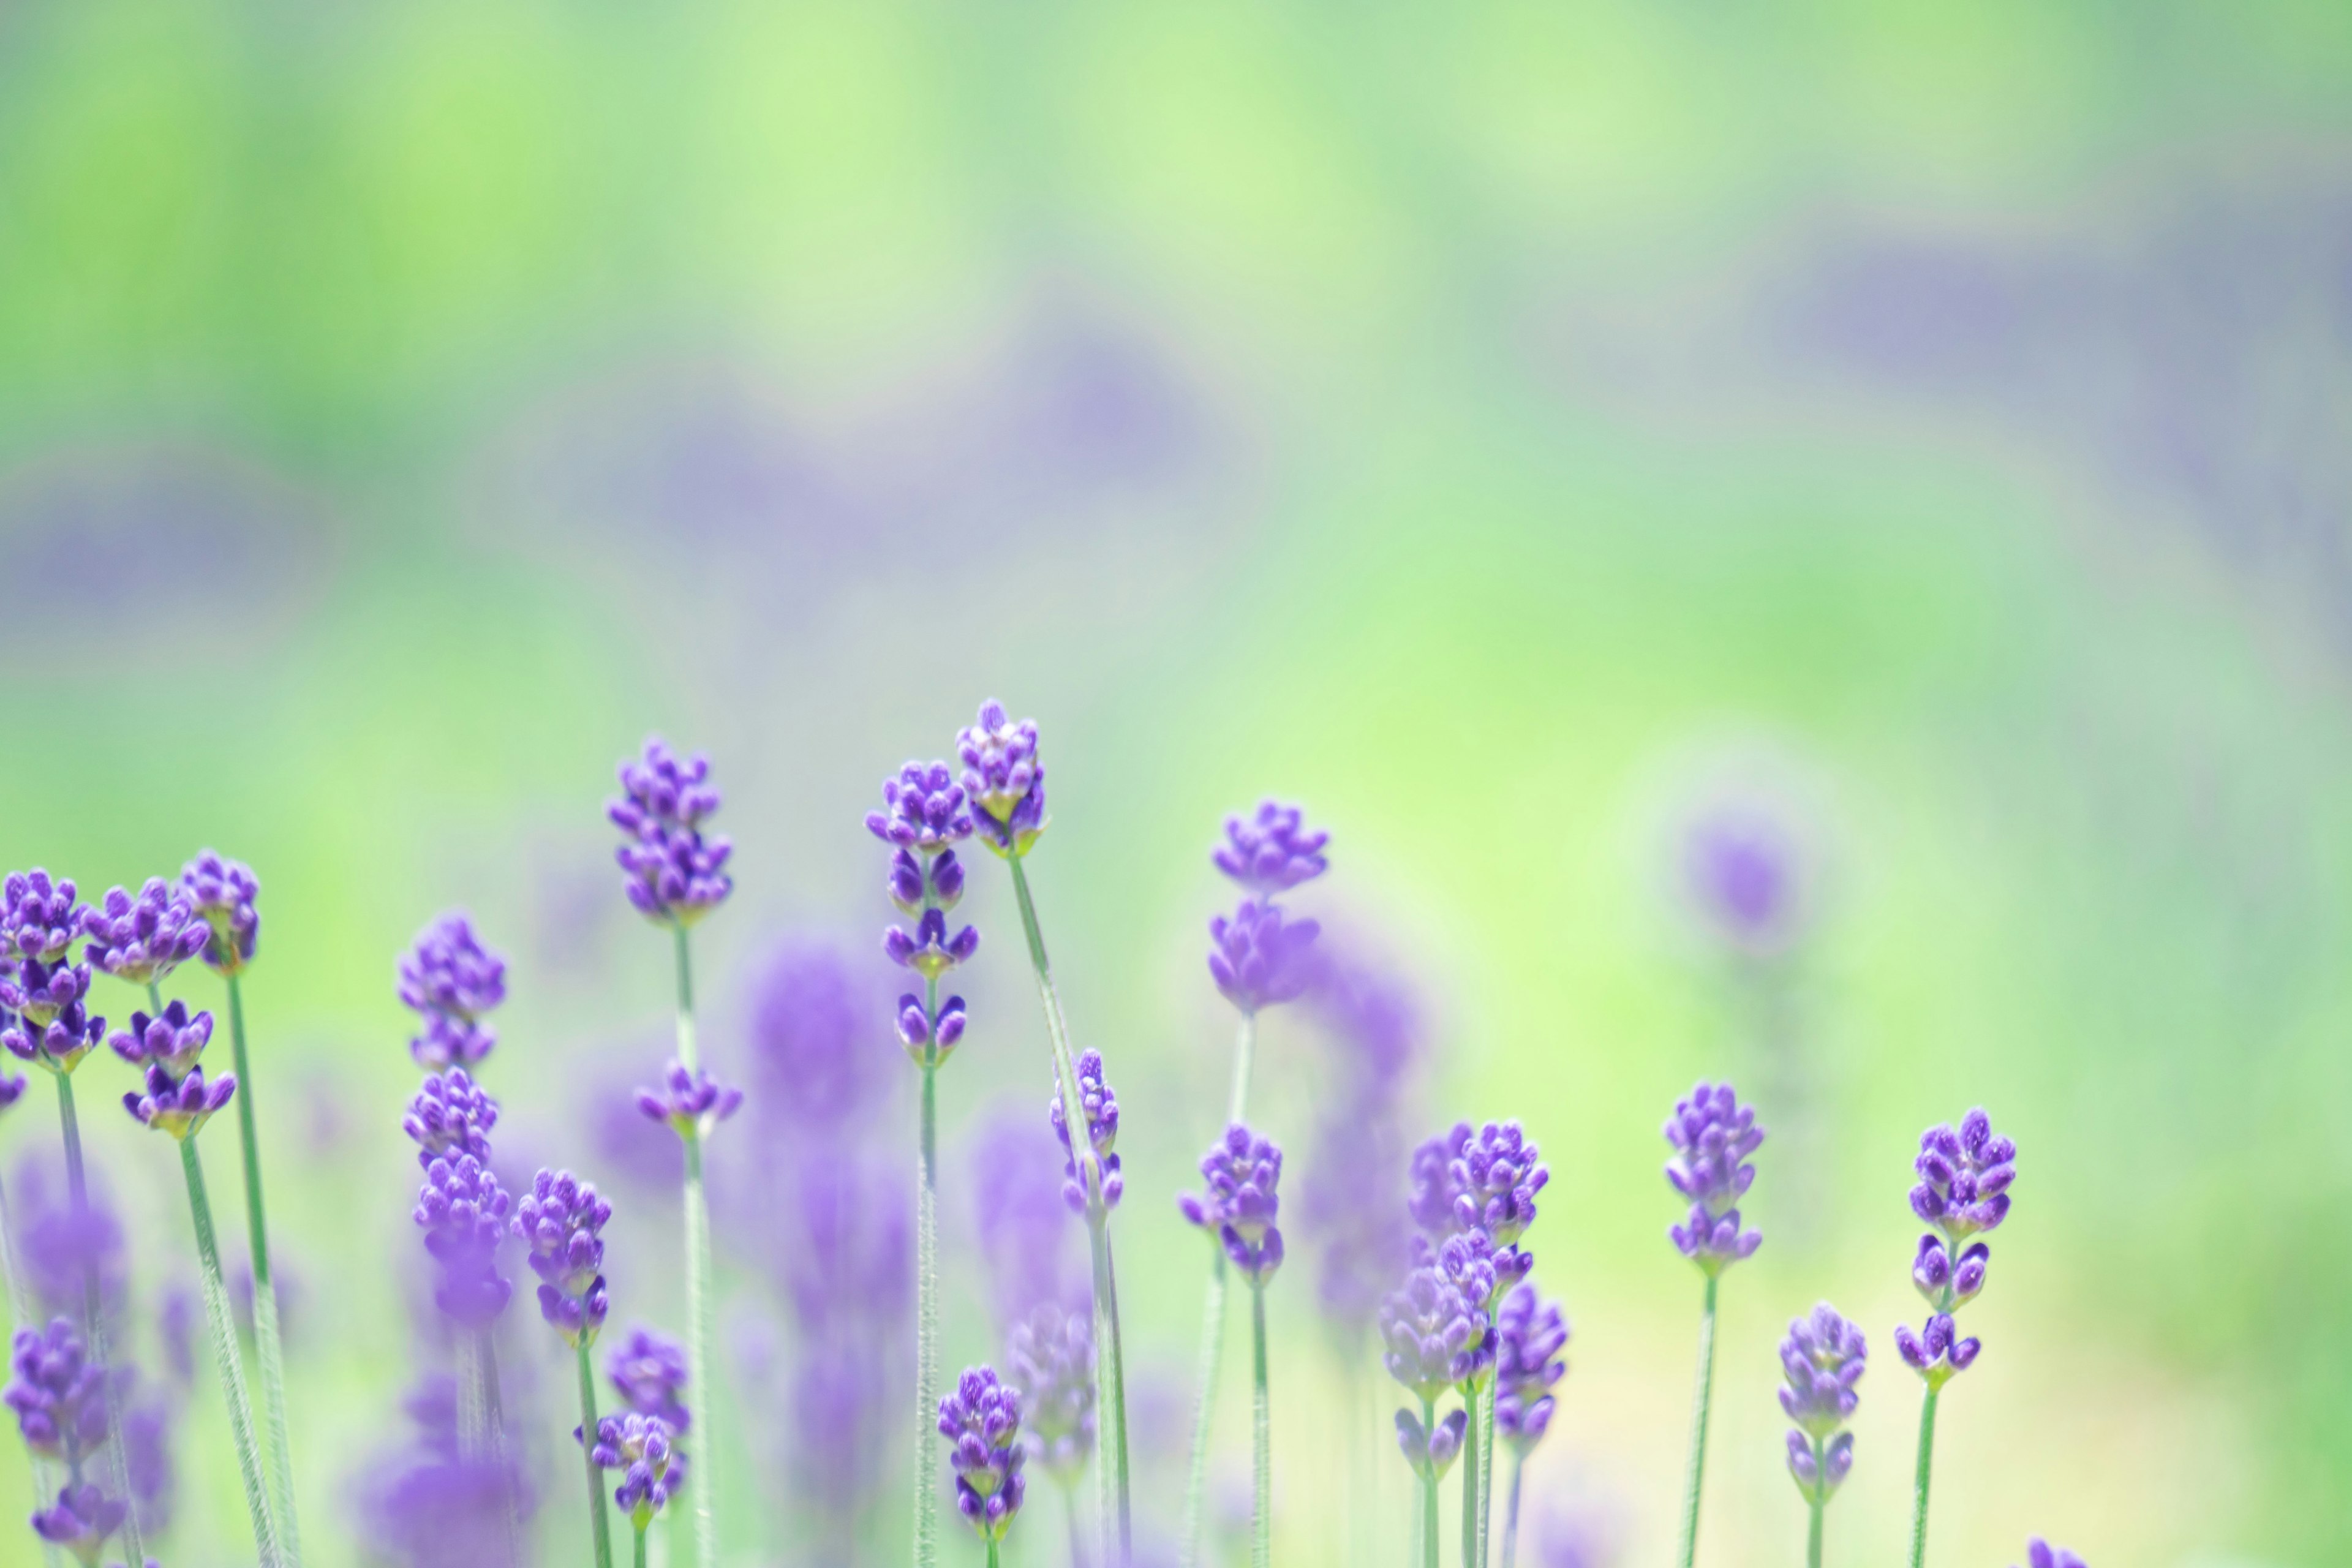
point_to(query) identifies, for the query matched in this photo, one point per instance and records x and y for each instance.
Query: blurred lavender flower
(817, 1063)
(691, 1103)
(651, 1470)
(1747, 875)
(58, 1394)
(2039, 1554)
(1241, 1204)
(180, 1107)
(1272, 852)
(1434, 1334)
(463, 1212)
(560, 1220)
(143, 939)
(149, 1426)
(676, 876)
(286, 1287)
(1713, 1135)
(1529, 1335)
(450, 1115)
(1020, 1217)
(12, 1089)
(1820, 1361)
(80, 1521)
(62, 1245)
(1432, 1450)
(1003, 779)
(1051, 1360)
(981, 1422)
(648, 1372)
(223, 892)
(426, 1505)
(170, 1041)
(451, 982)
(1351, 1200)
(1091, 1182)
(1258, 958)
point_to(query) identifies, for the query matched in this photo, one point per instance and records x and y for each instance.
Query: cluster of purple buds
(57, 1393)
(1051, 1355)
(1239, 1208)
(1271, 852)
(2039, 1554)
(676, 875)
(1482, 1185)
(81, 1520)
(175, 1100)
(648, 1371)
(1257, 956)
(652, 1468)
(41, 991)
(930, 952)
(1820, 1361)
(170, 1041)
(1745, 870)
(561, 1219)
(463, 1212)
(143, 939)
(1436, 1337)
(690, 1102)
(223, 891)
(925, 815)
(451, 1115)
(1713, 1135)
(1937, 1353)
(1430, 1450)
(1963, 1191)
(981, 1422)
(1468, 1261)
(1529, 1335)
(1091, 1182)
(1003, 779)
(451, 982)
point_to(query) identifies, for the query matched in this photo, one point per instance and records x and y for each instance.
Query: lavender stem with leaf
(1713, 1135)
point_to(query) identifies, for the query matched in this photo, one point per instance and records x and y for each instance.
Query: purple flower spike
(1495, 1177)
(1242, 1203)
(929, 1040)
(453, 983)
(1529, 1335)
(80, 1521)
(1713, 1135)
(930, 952)
(924, 810)
(1259, 958)
(981, 1422)
(1937, 1353)
(1272, 852)
(12, 1089)
(223, 891)
(463, 1212)
(450, 1116)
(560, 1220)
(1434, 1334)
(1964, 1177)
(179, 1105)
(39, 918)
(651, 1468)
(1092, 1182)
(676, 876)
(1821, 1362)
(57, 1393)
(58, 1045)
(1432, 1451)
(1449, 1201)
(170, 1041)
(143, 939)
(2039, 1554)
(1051, 1355)
(648, 1371)
(1003, 779)
(1935, 1274)
(692, 1103)
(1474, 1265)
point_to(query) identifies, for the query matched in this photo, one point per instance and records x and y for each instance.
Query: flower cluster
(1240, 1206)
(648, 1371)
(171, 1040)
(43, 1019)
(981, 1422)
(1435, 1336)
(652, 1469)
(691, 1103)
(1529, 1335)
(1091, 1182)
(60, 1397)
(1821, 1359)
(1746, 874)
(1051, 1354)
(1271, 852)
(1963, 1191)
(223, 892)
(451, 982)
(676, 876)
(561, 1219)
(143, 939)
(1351, 1194)
(175, 1098)
(463, 1212)
(1713, 1135)
(2039, 1554)
(450, 1115)
(1257, 956)
(1479, 1184)
(925, 814)
(1430, 1450)
(1003, 779)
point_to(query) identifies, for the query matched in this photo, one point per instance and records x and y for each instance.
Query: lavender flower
(180, 1107)
(676, 876)
(39, 918)
(1470, 1263)
(648, 1371)
(451, 982)
(463, 1212)
(1963, 1191)
(1935, 1353)
(815, 1064)
(691, 1103)
(41, 991)
(1933, 1273)
(1003, 779)
(58, 1043)
(1241, 1204)
(1020, 1217)
(1435, 1336)
(1352, 1199)
(981, 1422)
(560, 1220)
(1051, 1355)
(652, 1469)
(1713, 1135)
(1091, 1182)
(450, 1115)
(1461, 1181)
(1259, 958)
(1272, 852)
(12, 1089)
(1530, 1335)
(65, 1243)
(57, 1393)
(929, 1038)
(170, 1041)
(80, 1521)
(925, 811)
(1495, 1177)
(2039, 1554)
(1432, 1450)
(142, 940)
(147, 1436)
(1745, 873)
(1821, 1359)
(930, 952)
(223, 892)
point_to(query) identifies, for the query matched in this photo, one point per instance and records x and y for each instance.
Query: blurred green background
(1488, 424)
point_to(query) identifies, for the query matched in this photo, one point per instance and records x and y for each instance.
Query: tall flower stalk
(1529, 1333)
(1820, 1361)
(1712, 1135)
(981, 1423)
(674, 877)
(562, 1220)
(642, 1448)
(1238, 1208)
(1963, 1193)
(1433, 1335)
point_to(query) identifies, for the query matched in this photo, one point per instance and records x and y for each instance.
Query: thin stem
(1699, 1401)
(1070, 1514)
(1110, 1393)
(269, 1352)
(1919, 1482)
(991, 1551)
(494, 1437)
(1204, 1394)
(1487, 1477)
(1260, 1441)
(927, 1326)
(225, 1355)
(118, 1466)
(640, 1561)
(684, 999)
(599, 1526)
(705, 1482)
(1244, 1051)
(1511, 1511)
(1813, 1531)
(1470, 1481)
(1428, 1492)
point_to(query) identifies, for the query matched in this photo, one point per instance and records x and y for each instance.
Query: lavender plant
(1239, 1209)
(1962, 1194)
(1092, 1184)
(1821, 1359)
(1051, 1356)
(981, 1422)
(674, 877)
(1434, 1336)
(652, 1468)
(1713, 1135)
(62, 1400)
(562, 1220)
(1529, 1335)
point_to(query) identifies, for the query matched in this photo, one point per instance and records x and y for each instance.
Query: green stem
(1244, 1052)
(1487, 1477)
(1261, 1440)
(1204, 1393)
(640, 1560)
(269, 1352)
(225, 1355)
(1511, 1511)
(1428, 1491)
(118, 1467)
(684, 999)
(599, 1526)
(926, 1327)
(1110, 1393)
(1700, 1399)
(991, 1551)
(1919, 1482)
(705, 1482)
(1070, 1516)
(1470, 1480)
(1813, 1531)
